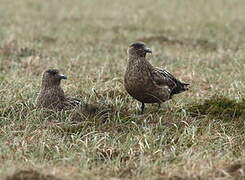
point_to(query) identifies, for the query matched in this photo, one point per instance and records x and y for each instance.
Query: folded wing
(163, 77)
(71, 102)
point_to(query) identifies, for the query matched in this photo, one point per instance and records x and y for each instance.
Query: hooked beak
(148, 50)
(61, 76)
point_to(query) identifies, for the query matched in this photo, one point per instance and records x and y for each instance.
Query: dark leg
(159, 105)
(142, 108)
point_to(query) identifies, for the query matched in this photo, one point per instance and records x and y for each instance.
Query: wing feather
(163, 77)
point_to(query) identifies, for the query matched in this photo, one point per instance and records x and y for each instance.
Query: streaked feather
(163, 77)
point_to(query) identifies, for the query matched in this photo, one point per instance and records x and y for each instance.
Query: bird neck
(135, 60)
(50, 83)
(53, 86)
(55, 90)
(137, 55)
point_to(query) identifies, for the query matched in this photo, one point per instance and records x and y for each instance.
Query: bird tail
(185, 86)
(181, 87)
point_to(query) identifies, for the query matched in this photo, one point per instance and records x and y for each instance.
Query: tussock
(218, 107)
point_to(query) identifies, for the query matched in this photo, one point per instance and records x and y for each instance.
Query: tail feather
(180, 87)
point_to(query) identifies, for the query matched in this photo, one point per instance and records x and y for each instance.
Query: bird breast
(137, 80)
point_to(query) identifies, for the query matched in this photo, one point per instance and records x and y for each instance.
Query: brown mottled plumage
(146, 83)
(52, 95)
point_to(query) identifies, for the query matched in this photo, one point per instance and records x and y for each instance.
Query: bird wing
(71, 101)
(163, 77)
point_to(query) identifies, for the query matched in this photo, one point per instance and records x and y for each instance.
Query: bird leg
(142, 107)
(159, 105)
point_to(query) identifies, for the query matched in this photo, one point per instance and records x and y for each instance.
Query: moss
(218, 106)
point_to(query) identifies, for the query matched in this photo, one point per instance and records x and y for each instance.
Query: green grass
(201, 42)
(219, 107)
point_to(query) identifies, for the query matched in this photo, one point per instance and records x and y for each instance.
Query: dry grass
(201, 42)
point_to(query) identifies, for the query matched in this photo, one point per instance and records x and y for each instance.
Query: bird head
(138, 49)
(52, 77)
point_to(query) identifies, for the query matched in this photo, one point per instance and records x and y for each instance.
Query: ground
(201, 42)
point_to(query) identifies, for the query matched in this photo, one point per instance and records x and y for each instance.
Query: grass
(200, 42)
(219, 106)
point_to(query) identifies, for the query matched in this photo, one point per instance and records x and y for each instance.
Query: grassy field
(199, 134)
